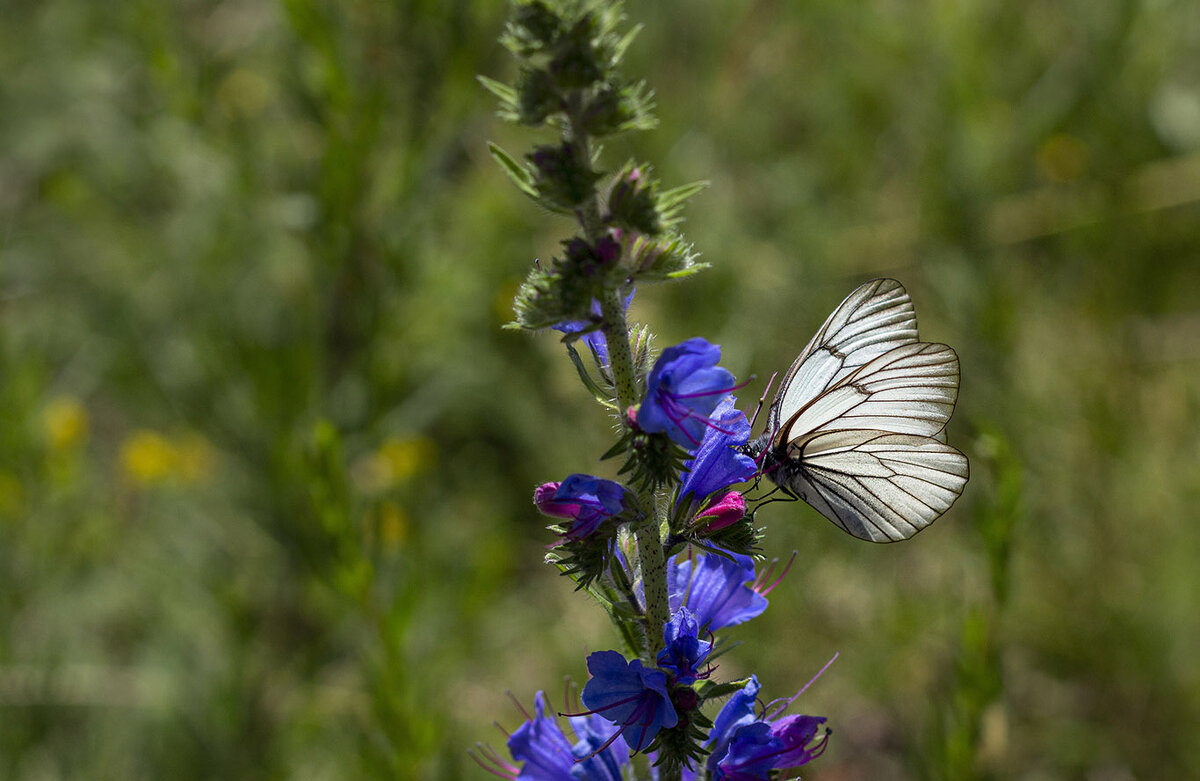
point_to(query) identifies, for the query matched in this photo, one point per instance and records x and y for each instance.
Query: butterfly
(858, 426)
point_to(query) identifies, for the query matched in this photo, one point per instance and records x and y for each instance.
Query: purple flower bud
(607, 250)
(589, 260)
(551, 160)
(543, 497)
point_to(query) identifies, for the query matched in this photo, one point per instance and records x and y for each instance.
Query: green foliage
(266, 454)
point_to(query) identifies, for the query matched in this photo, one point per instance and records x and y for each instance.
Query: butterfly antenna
(763, 399)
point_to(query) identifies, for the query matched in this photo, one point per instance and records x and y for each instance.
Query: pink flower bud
(543, 498)
(725, 510)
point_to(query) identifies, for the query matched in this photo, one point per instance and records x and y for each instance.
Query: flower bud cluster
(568, 79)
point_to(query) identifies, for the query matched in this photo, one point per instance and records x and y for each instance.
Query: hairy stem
(647, 533)
(648, 530)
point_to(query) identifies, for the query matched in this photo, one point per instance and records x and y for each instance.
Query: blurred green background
(266, 455)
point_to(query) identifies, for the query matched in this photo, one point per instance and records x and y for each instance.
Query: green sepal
(711, 690)
(654, 461)
(622, 445)
(741, 537)
(681, 746)
(617, 109)
(586, 559)
(537, 99)
(548, 297)
(533, 29)
(663, 259)
(641, 344)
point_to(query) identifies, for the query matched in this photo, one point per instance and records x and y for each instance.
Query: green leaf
(520, 175)
(601, 395)
(504, 92)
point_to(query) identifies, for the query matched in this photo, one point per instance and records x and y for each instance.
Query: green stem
(647, 533)
(620, 355)
(654, 579)
(647, 530)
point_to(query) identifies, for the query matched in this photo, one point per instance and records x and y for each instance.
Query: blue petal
(542, 746)
(749, 756)
(598, 500)
(593, 732)
(795, 735)
(716, 591)
(736, 713)
(684, 386)
(717, 463)
(629, 695)
(684, 651)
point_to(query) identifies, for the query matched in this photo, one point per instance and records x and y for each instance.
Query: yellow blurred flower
(65, 423)
(395, 461)
(406, 457)
(149, 457)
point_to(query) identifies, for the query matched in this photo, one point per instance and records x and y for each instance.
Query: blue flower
(715, 589)
(600, 752)
(684, 651)
(719, 591)
(738, 712)
(717, 464)
(583, 499)
(629, 695)
(746, 747)
(684, 386)
(761, 747)
(542, 746)
(594, 338)
(598, 755)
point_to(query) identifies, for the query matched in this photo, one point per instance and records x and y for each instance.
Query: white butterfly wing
(875, 318)
(878, 486)
(911, 389)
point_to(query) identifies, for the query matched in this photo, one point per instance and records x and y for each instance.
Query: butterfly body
(857, 427)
